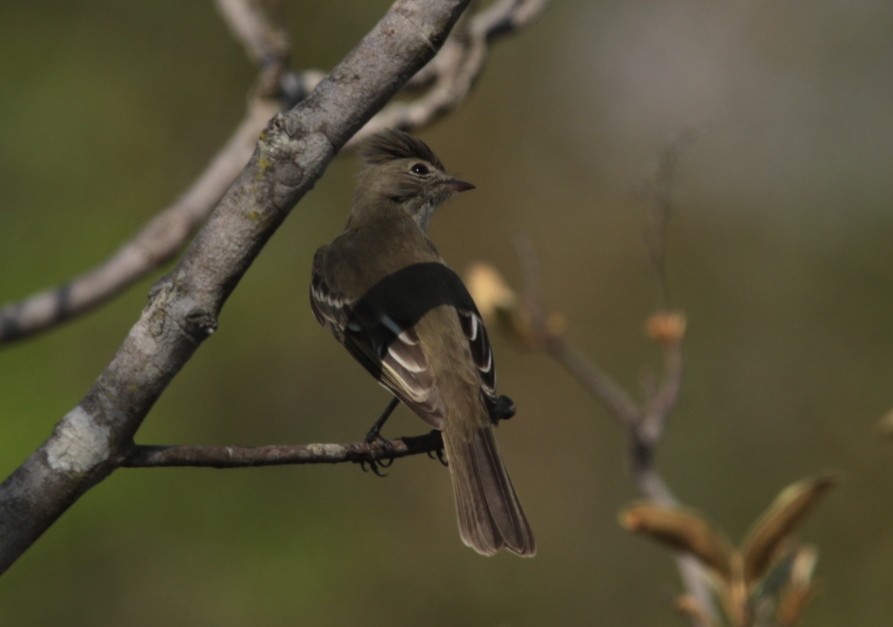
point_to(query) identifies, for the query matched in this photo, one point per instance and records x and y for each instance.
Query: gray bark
(94, 438)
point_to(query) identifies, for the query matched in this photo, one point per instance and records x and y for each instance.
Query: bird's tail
(490, 515)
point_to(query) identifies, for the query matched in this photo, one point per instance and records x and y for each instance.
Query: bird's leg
(375, 432)
(439, 454)
(374, 436)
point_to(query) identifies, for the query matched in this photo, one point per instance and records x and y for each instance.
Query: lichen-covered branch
(281, 454)
(95, 437)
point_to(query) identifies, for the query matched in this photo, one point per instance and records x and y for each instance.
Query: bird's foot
(439, 454)
(502, 408)
(376, 442)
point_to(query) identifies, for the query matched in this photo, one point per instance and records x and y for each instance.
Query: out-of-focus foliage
(767, 580)
(779, 256)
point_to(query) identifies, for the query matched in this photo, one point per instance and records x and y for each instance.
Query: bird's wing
(384, 343)
(330, 306)
(481, 353)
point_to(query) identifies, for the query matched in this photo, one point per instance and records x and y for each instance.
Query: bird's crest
(393, 144)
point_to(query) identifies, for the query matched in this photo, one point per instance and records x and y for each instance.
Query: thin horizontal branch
(145, 456)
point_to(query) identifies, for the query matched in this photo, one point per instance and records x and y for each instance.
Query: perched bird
(382, 289)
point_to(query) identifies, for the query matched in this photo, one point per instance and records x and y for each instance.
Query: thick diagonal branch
(447, 82)
(293, 151)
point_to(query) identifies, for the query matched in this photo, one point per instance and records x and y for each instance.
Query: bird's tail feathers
(489, 513)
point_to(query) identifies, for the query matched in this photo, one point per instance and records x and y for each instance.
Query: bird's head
(403, 172)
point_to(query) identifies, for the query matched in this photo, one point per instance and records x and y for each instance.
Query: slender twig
(266, 43)
(595, 380)
(506, 16)
(526, 320)
(662, 401)
(265, 40)
(586, 372)
(448, 80)
(372, 449)
(643, 423)
(656, 194)
(166, 233)
(451, 75)
(154, 456)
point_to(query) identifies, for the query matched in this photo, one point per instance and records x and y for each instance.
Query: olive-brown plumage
(382, 289)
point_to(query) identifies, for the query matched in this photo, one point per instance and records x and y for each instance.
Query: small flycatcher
(382, 289)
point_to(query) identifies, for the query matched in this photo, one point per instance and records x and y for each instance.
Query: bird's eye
(420, 168)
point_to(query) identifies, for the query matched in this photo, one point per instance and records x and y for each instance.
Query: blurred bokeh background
(779, 253)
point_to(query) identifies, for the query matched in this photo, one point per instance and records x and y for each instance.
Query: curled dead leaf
(780, 521)
(683, 530)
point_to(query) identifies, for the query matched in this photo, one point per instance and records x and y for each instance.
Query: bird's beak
(458, 186)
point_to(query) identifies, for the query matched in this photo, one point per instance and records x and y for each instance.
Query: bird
(382, 289)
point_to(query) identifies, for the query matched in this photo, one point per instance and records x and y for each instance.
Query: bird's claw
(441, 456)
(374, 466)
(501, 408)
(438, 454)
(377, 465)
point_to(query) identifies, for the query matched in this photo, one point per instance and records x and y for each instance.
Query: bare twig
(163, 237)
(449, 79)
(657, 196)
(452, 73)
(265, 40)
(95, 437)
(157, 243)
(665, 328)
(662, 401)
(643, 424)
(281, 454)
(506, 16)
(262, 33)
(595, 380)
(544, 335)
(527, 321)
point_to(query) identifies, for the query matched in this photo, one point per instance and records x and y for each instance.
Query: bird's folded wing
(391, 351)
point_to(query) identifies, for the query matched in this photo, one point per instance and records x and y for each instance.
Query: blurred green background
(780, 255)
